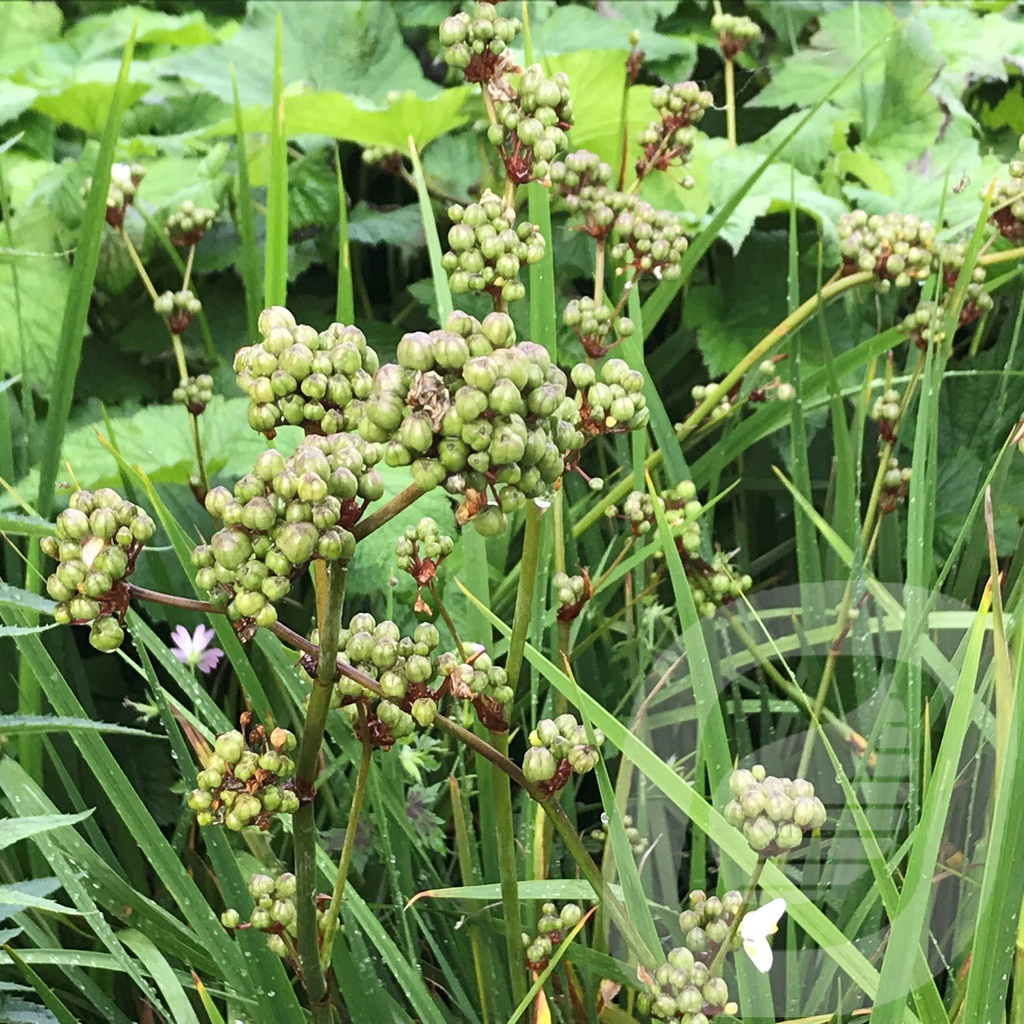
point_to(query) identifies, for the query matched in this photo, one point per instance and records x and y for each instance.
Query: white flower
(755, 927)
(121, 176)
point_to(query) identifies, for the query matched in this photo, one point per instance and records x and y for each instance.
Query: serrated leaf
(401, 227)
(15, 597)
(340, 116)
(374, 561)
(355, 49)
(14, 899)
(13, 830)
(159, 439)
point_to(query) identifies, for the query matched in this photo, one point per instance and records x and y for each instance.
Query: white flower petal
(760, 953)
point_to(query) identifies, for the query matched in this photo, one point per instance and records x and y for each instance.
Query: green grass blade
(543, 311)
(344, 304)
(901, 972)
(275, 257)
(49, 998)
(73, 325)
(249, 262)
(160, 970)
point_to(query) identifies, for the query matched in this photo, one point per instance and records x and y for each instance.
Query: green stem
(399, 503)
(524, 594)
(730, 102)
(187, 275)
(331, 918)
(501, 786)
(501, 791)
(304, 831)
(723, 949)
(447, 620)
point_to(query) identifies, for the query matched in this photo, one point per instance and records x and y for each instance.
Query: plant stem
(748, 895)
(399, 503)
(187, 276)
(331, 919)
(730, 101)
(447, 619)
(501, 788)
(304, 832)
(524, 594)
(137, 263)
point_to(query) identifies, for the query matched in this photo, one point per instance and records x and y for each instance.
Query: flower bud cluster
(468, 408)
(895, 486)
(295, 375)
(195, 393)
(244, 783)
(772, 813)
(121, 189)
(188, 223)
(683, 989)
(706, 924)
(735, 33)
(284, 513)
(923, 325)
(177, 308)
(572, 593)
(699, 392)
(1008, 200)
(551, 930)
(530, 129)
(581, 179)
(886, 413)
(896, 247)
(488, 249)
(98, 538)
(680, 107)
(611, 398)
(389, 159)
(949, 261)
(419, 551)
(477, 43)
(402, 666)
(637, 841)
(592, 322)
(480, 681)
(557, 748)
(274, 912)
(649, 241)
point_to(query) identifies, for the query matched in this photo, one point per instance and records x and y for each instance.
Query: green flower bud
(105, 634)
(297, 541)
(539, 764)
(424, 710)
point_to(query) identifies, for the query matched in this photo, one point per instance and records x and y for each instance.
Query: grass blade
(275, 256)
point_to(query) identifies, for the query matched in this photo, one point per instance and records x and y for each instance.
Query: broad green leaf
(402, 227)
(340, 116)
(159, 440)
(85, 104)
(24, 28)
(33, 288)
(351, 48)
(572, 28)
(107, 32)
(16, 524)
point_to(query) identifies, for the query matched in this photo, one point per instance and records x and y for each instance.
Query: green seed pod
(427, 473)
(539, 764)
(424, 710)
(231, 548)
(229, 746)
(105, 634)
(416, 433)
(83, 608)
(297, 542)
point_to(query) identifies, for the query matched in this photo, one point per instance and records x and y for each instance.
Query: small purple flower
(194, 650)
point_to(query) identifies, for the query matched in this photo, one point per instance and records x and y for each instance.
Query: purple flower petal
(210, 659)
(182, 641)
(201, 637)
